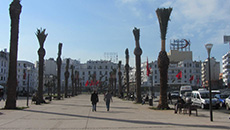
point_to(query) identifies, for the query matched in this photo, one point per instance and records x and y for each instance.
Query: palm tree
(59, 62)
(72, 80)
(66, 77)
(119, 78)
(163, 15)
(15, 10)
(127, 70)
(41, 53)
(137, 53)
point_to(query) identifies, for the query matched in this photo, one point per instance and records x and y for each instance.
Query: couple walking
(95, 99)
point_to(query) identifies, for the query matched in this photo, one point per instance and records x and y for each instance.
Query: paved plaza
(76, 113)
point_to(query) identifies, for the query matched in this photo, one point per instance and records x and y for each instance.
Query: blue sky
(88, 28)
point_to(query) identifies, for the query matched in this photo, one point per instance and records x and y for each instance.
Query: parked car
(221, 98)
(184, 89)
(175, 94)
(201, 98)
(227, 103)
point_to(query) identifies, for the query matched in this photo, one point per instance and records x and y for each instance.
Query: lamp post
(28, 84)
(209, 47)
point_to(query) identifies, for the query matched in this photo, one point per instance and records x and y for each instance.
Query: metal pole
(210, 88)
(27, 101)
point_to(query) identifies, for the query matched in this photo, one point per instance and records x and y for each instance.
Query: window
(88, 72)
(83, 73)
(106, 67)
(155, 71)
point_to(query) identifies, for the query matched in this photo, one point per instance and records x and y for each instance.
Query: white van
(184, 89)
(201, 98)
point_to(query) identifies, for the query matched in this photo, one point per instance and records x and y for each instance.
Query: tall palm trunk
(66, 77)
(163, 60)
(41, 53)
(119, 78)
(137, 53)
(15, 10)
(127, 70)
(59, 62)
(76, 81)
(72, 80)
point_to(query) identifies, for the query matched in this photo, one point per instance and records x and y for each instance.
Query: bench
(188, 109)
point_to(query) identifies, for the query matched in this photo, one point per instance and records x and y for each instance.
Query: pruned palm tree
(15, 10)
(127, 70)
(137, 53)
(119, 78)
(72, 80)
(66, 77)
(41, 35)
(59, 62)
(163, 15)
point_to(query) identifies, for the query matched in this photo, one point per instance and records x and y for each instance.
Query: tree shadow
(134, 121)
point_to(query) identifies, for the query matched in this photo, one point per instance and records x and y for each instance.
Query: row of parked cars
(200, 97)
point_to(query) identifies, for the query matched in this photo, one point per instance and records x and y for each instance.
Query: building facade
(4, 67)
(226, 68)
(27, 76)
(215, 71)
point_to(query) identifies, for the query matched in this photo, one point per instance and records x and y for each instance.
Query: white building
(190, 70)
(215, 70)
(100, 68)
(4, 67)
(50, 67)
(226, 68)
(27, 76)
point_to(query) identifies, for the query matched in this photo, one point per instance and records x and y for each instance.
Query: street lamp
(28, 83)
(209, 47)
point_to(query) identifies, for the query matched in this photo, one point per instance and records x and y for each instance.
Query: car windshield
(223, 96)
(204, 95)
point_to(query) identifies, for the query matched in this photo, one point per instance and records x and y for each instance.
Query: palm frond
(163, 15)
(41, 36)
(136, 33)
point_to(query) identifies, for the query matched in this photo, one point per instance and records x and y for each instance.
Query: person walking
(94, 100)
(107, 99)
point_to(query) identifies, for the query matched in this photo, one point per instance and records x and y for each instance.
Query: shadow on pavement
(134, 121)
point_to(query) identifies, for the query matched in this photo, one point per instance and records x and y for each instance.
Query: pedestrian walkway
(76, 113)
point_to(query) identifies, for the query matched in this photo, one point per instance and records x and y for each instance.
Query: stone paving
(76, 113)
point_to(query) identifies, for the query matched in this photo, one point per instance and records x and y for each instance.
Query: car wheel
(202, 106)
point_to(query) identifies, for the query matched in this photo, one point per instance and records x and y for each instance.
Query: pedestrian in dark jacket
(94, 100)
(107, 99)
